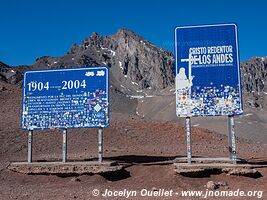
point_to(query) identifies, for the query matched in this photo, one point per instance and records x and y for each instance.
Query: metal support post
(229, 136)
(64, 146)
(188, 139)
(30, 136)
(100, 144)
(231, 139)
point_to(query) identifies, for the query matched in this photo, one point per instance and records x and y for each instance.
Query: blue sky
(32, 28)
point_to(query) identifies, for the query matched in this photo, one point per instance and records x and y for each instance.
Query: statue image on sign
(182, 79)
(183, 90)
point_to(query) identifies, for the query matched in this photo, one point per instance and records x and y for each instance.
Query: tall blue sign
(207, 71)
(66, 98)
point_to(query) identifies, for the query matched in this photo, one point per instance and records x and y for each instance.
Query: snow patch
(195, 125)
(113, 53)
(142, 42)
(135, 96)
(249, 114)
(12, 71)
(120, 63)
(134, 83)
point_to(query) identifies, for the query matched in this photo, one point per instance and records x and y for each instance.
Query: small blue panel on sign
(66, 98)
(207, 71)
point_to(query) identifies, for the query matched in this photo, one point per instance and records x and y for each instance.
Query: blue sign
(207, 71)
(66, 98)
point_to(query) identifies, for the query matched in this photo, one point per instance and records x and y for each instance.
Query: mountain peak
(124, 33)
(135, 64)
(94, 34)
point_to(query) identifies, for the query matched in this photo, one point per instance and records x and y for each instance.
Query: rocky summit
(135, 64)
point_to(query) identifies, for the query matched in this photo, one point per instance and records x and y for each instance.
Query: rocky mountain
(8, 74)
(254, 78)
(137, 67)
(135, 63)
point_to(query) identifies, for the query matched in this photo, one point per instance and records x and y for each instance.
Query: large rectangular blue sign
(66, 98)
(207, 71)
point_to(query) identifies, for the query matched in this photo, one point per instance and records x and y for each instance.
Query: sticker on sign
(66, 98)
(207, 71)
